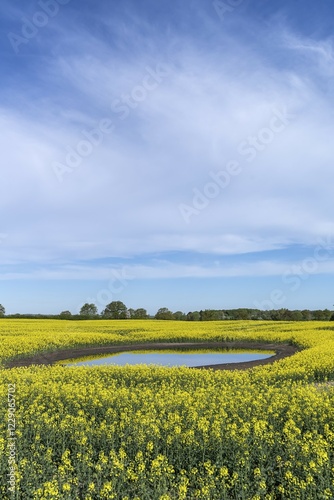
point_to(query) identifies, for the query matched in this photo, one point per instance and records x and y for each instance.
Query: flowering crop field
(151, 433)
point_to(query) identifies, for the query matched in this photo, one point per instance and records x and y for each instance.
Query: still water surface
(176, 357)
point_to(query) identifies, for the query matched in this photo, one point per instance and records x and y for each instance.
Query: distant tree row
(246, 314)
(114, 310)
(118, 310)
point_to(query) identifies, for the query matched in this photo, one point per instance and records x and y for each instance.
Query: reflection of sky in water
(179, 359)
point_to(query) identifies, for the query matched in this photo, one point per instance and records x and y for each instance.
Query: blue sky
(172, 154)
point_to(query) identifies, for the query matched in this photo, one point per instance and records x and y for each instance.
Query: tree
(179, 316)
(280, 314)
(306, 315)
(2, 311)
(131, 313)
(242, 314)
(89, 310)
(296, 316)
(115, 310)
(193, 316)
(65, 314)
(320, 315)
(164, 313)
(140, 313)
(211, 315)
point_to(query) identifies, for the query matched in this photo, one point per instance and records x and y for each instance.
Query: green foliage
(179, 316)
(140, 313)
(88, 310)
(164, 313)
(115, 310)
(211, 315)
(65, 314)
(193, 316)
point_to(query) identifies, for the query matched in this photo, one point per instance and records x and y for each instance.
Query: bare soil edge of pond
(49, 358)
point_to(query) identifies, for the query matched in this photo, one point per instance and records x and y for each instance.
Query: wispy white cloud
(322, 49)
(123, 198)
(160, 269)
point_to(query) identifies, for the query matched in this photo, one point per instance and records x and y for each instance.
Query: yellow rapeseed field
(150, 433)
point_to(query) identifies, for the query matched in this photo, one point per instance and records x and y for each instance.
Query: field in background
(151, 433)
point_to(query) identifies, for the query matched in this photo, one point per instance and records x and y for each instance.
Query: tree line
(118, 310)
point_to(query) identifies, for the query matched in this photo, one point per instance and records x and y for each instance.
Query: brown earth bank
(49, 358)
